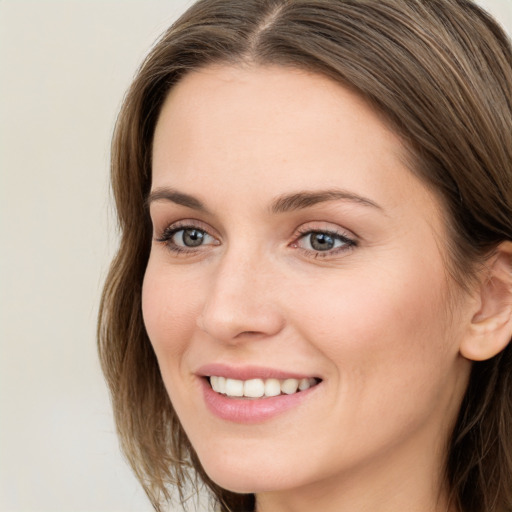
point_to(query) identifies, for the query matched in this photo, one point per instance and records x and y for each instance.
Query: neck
(395, 482)
(351, 497)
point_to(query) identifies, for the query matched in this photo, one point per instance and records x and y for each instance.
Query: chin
(247, 476)
(247, 484)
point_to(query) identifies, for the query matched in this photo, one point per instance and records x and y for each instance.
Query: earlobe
(491, 326)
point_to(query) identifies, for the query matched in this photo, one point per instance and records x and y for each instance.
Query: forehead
(271, 129)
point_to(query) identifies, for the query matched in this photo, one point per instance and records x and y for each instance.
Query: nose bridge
(240, 300)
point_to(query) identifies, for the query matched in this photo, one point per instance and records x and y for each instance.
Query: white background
(64, 67)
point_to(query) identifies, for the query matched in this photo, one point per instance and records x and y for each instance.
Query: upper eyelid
(320, 226)
(350, 239)
(186, 224)
(335, 231)
(176, 229)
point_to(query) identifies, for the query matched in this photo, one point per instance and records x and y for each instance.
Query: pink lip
(247, 372)
(244, 410)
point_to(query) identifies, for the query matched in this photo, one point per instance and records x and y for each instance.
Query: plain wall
(64, 67)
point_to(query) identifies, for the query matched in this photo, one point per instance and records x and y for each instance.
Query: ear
(491, 326)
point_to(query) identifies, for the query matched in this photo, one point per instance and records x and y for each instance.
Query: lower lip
(255, 410)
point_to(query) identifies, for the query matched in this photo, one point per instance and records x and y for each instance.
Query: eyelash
(347, 243)
(170, 231)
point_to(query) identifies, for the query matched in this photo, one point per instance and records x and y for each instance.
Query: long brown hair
(440, 71)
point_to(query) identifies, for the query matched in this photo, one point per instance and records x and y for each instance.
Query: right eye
(190, 237)
(186, 238)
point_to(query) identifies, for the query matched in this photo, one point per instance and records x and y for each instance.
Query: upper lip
(248, 372)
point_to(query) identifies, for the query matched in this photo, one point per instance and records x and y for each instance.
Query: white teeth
(254, 388)
(234, 387)
(272, 387)
(214, 383)
(304, 384)
(257, 388)
(289, 386)
(218, 384)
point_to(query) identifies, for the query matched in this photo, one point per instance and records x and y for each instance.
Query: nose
(242, 301)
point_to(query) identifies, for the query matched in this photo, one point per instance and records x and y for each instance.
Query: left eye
(322, 241)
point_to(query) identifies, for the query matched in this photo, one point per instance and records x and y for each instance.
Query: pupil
(192, 237)
(322, 241)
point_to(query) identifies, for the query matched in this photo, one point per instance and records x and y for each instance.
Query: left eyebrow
(306, 199)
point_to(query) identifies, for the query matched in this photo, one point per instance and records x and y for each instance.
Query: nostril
(249, 334)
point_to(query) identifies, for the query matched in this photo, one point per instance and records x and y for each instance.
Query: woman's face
(292, 246)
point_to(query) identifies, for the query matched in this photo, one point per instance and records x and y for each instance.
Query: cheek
(386, 330)
(169, 311)
(393, 354)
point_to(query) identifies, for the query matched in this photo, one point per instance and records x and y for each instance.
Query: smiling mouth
(260, 388)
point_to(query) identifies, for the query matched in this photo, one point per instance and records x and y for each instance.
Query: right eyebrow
(169, 194)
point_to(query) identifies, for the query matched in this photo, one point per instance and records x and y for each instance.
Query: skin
(378, 321)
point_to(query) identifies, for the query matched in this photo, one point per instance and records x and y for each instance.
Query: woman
(311, 306)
